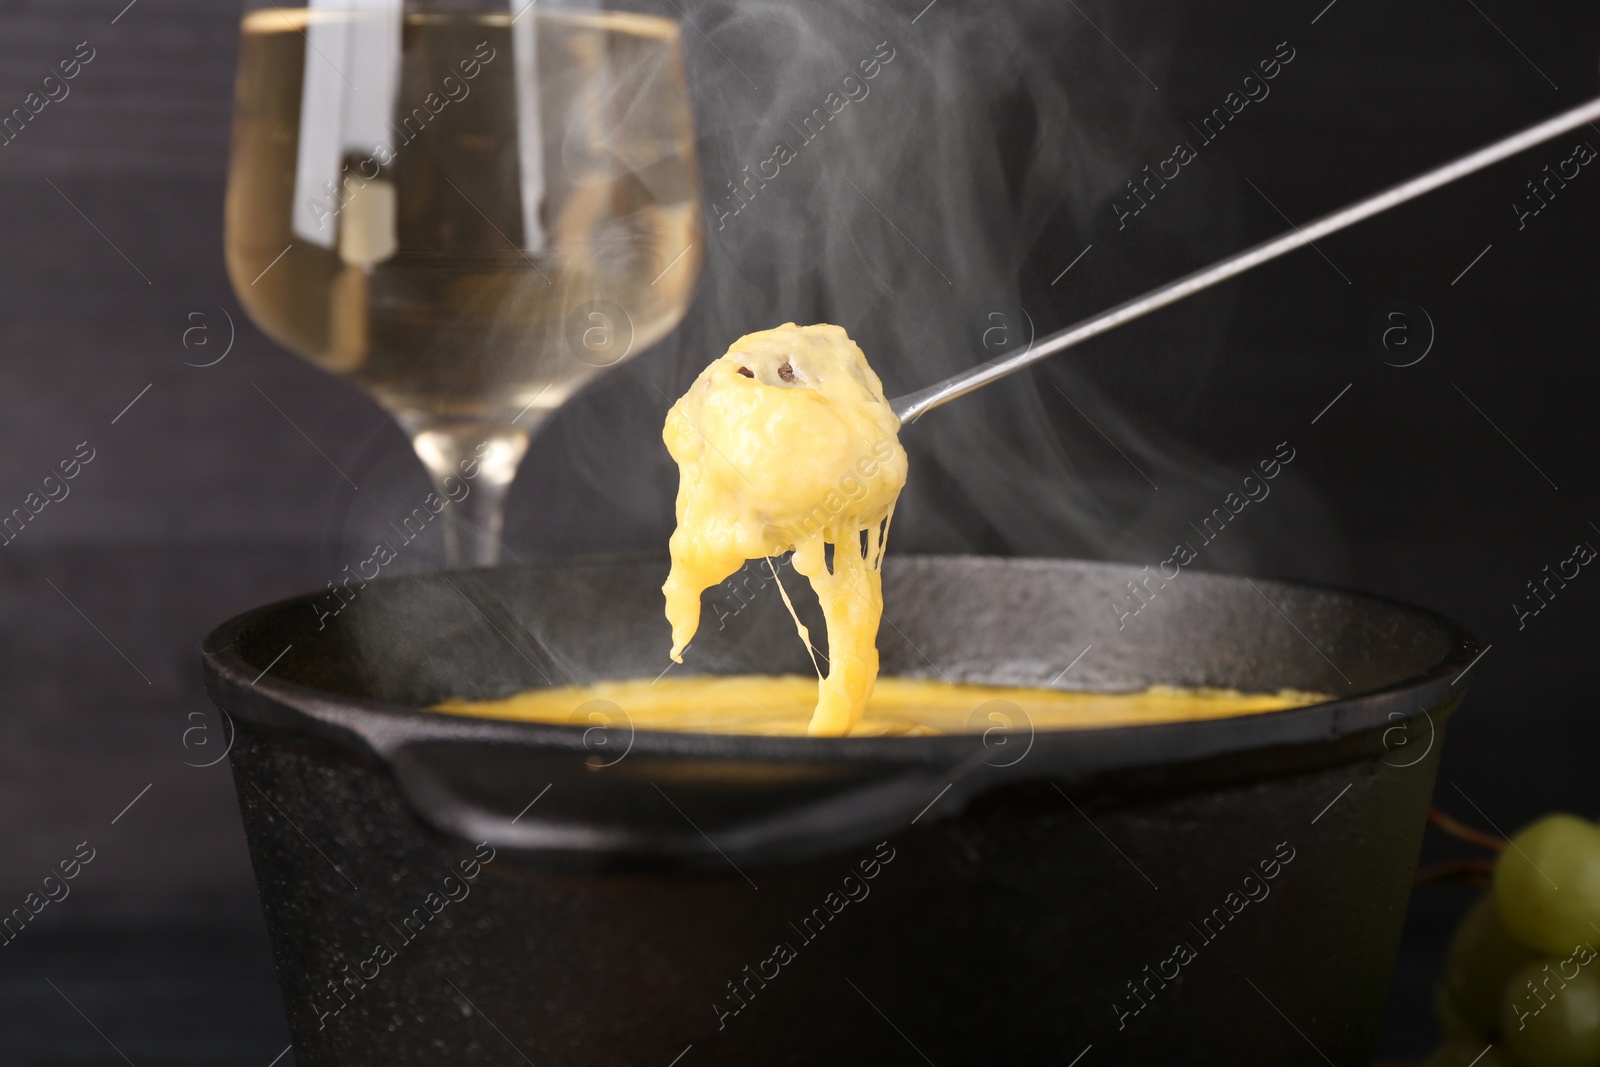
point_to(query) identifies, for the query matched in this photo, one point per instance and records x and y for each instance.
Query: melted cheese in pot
(777, 706)
(787, 442)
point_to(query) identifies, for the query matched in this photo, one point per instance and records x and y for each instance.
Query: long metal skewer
(913, 405)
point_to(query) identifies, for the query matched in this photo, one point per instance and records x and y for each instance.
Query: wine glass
(469, 207)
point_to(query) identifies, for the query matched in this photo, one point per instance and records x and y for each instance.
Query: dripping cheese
(785, 443)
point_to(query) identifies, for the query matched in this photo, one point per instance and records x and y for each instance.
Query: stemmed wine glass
(469, 207)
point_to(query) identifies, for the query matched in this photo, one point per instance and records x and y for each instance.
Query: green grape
(1547, 884)
(1459, 1053)
(1481, 957)
(1556, 1022)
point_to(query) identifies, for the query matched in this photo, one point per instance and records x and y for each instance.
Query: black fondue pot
(444, 890)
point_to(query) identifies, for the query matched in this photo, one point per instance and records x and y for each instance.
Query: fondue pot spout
(610, 895)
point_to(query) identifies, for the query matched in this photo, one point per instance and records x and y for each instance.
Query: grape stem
(1475, 871)
(1463, 832)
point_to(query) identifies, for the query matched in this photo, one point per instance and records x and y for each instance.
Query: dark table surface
(1450, 483)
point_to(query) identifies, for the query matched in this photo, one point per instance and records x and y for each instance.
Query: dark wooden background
(203, 500)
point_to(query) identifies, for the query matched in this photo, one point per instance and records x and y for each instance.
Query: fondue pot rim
(324, 709)
(778, 799)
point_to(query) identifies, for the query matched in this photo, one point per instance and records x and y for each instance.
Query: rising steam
(951, 187)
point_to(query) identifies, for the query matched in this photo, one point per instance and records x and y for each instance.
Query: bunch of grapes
(1522, 976)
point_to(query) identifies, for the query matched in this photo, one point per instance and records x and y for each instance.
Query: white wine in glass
(469, 208)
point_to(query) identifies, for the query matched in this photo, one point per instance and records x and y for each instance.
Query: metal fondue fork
(913, 405)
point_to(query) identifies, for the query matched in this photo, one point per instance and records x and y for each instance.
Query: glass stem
(472, 466)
